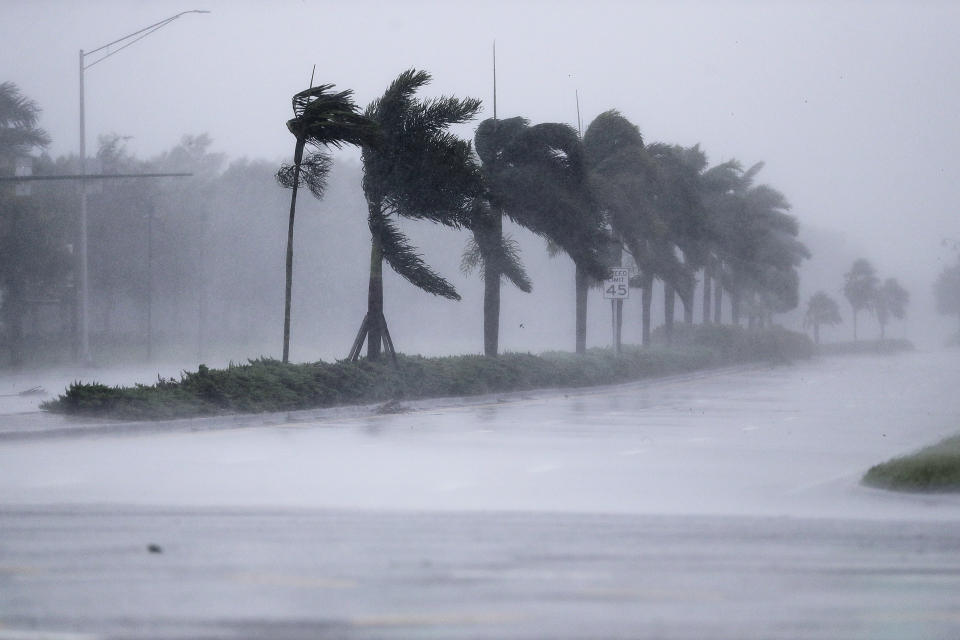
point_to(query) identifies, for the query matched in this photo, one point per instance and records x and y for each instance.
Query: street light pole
(84, 301)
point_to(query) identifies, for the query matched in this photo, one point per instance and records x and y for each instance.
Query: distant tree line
(864, 292)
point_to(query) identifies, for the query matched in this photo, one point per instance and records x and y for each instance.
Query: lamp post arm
(136, 35)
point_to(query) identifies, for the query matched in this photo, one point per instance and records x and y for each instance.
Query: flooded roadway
(714, 506)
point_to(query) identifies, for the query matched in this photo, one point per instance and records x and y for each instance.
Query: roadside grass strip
(933, 469)
(266, 384)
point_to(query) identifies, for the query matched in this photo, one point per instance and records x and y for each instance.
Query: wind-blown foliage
(756, 250)
(534, 176)
(19, 117)
(416, 170)
(321, 119)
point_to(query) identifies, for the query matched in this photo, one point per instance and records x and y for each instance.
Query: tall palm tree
(322, 119)
(821, 309)
(532, 175)
(756, 250)
(623, 177)
(860, 288)
(417, 170)
(681, 215)
(495, 254)
(564, 201)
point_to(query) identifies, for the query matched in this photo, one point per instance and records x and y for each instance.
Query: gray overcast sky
(853, 106)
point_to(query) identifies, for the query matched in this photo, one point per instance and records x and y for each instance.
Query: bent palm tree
(530, 175)
(321, 119)
(547, 178)
(419, 170)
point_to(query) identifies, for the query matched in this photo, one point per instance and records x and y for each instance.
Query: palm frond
(19, 116)
(403, 258)
(314, 170)
(324, 118)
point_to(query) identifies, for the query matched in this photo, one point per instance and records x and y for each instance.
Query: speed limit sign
(617, 287)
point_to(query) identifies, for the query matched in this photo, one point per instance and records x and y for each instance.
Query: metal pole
(613, 324)
(150, 283)
(85, 357)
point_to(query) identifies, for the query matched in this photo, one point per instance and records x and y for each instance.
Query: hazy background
(853, 107)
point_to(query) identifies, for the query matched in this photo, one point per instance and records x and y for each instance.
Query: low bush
(269, 385)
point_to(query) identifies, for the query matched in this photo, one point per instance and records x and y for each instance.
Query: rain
(478, 320)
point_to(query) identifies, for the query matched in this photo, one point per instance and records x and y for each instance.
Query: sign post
(616, 289)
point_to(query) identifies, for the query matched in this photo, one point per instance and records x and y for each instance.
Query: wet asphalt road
(340, 574)
(723, 506)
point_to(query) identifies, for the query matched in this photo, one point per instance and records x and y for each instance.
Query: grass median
(268, 385)
(933, 469)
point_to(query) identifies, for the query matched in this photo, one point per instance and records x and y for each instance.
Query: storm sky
(853, 106)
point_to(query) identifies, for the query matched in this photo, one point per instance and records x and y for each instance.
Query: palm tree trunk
(854, 324)
(669, 307)
(646, 300)
(375, 300)
(582, 285)
(735, 307)
(707, 275)
(491, 294)
(686, 299)
(717, 301)
(297, 158)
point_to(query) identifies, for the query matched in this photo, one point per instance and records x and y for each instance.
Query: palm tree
(321, 119)
(19, 116)
(718, 188)
(860, 286)
(495, 254)
(535, 176)
(417, 170)
(756, 250)
(681, 215)
(634, 194)
(891, 300)
(19, 135)
(821, 309)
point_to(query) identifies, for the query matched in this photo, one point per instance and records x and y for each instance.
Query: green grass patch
(269, 385)
(933, 469)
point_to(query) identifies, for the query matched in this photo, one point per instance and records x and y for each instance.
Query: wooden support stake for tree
(388, 342)
(363, 334)
(358, 341)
